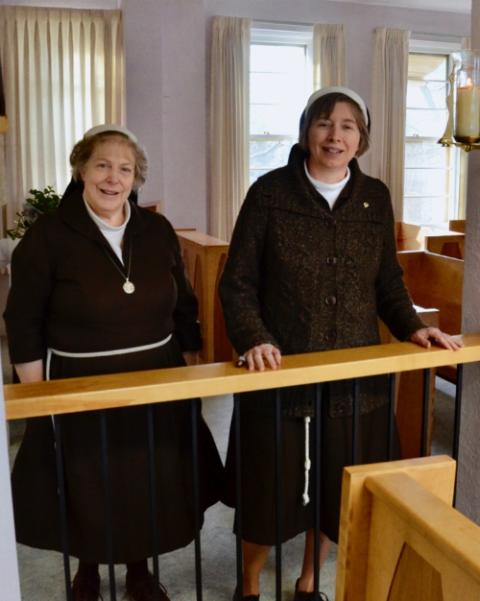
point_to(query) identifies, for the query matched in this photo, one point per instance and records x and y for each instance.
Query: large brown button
(331, 300)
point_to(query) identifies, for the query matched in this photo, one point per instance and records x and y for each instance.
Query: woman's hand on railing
(261, 356)
(191, 357)
(426, 336)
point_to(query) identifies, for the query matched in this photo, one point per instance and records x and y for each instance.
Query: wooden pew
(204, 258)
(451, 244)
(410, 236)
(409, 397)
(435, 281)
(457, 225)
(400, 539)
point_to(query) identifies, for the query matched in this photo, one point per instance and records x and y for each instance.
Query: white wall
(9, 587)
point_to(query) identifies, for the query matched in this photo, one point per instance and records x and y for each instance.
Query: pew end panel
(400, 539)
(410, 236)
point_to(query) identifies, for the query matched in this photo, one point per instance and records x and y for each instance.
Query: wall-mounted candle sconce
(463, 102)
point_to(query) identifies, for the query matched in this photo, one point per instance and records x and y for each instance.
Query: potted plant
(39, 202)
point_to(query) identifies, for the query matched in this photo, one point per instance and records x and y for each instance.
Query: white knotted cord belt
(308, 463)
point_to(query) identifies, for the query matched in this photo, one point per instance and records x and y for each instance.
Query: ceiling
(454, 6)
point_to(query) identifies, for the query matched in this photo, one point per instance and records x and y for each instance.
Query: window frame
(456, 161)
(281, 34)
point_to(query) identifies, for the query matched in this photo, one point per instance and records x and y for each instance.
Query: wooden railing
(155, 386)
(400, 538)
(165, 385)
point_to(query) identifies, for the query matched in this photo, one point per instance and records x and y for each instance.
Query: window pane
(426, 123)
(427, 66)
(431, 172)
(273, 120)
(425, 182)
(431, 94)
(278, 81)
(425, 211)
(267, 155)
(268, 58)
(425, 154)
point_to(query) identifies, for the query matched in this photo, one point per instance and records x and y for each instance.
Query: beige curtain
(63, 72)
(229, 90)
(328, 56)
(389, 99)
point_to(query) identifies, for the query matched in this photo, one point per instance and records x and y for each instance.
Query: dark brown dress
(67, 294)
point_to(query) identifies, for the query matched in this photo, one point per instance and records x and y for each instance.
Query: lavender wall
(175, 81)
(167, 76)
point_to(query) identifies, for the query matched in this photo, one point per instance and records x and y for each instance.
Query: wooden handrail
(162, 385)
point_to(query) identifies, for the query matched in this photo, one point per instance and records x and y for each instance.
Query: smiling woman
(312, 265)
(99, 287)
(108, 178)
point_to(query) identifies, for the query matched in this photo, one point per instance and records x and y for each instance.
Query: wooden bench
(204, 258)
(457, 225)
(410, 236)
(435, 281)
(451, 244)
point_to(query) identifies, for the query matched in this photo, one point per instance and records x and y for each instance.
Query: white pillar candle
(468, 112)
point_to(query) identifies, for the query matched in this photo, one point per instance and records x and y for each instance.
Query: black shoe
(86, 587)
(303, 596)
(144, 588)
(236, 597)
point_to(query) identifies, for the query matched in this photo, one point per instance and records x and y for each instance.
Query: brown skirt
(34, 478)
(258, 467)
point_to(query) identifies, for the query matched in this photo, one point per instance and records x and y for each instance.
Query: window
(281, 79)
(434, 187)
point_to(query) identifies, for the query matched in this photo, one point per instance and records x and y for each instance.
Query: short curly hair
(83, 150)
(323, 108)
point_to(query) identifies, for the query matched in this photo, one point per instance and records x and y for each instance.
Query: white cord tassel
(308, 463)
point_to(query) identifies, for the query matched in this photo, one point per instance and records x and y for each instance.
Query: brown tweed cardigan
(307, 278)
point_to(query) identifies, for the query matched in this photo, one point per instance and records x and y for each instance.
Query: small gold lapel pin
(365, 205)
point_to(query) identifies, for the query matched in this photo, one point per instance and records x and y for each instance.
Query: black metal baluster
(238, 493)
(278, 494)
(108, 502)
(425, 411)
(456, 424)
(196, 498)
(317, 498)
(392, 380)
(57, 427)
(355, 420)
(458, 412)
(152, 477)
